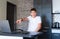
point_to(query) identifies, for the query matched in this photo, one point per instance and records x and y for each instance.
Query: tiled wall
(56, 18)
(23, 10)
(56, 6)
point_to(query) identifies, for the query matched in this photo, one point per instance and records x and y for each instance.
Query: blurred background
(49, 10)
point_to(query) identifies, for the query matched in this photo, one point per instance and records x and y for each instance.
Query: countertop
(29, 35)
(55, 30)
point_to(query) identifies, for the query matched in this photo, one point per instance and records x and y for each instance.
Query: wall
(56, 9)
(3, 5)
(23, 10)
(56, 6)
(2, 9)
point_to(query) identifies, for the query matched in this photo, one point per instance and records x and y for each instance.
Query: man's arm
(22, 19)
(39, 27)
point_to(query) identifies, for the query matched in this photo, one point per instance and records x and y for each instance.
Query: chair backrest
(4, 26)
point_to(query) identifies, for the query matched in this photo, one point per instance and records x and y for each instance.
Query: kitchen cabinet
(55, 35)
(44, 10)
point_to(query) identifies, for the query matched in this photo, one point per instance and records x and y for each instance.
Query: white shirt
(33, 23)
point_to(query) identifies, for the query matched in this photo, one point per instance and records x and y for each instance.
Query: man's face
(33, 13)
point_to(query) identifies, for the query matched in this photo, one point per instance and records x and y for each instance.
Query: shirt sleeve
(39, 20)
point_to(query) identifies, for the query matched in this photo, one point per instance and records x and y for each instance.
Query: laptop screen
(4, 26)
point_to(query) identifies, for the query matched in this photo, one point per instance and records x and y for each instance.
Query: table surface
(29, 35)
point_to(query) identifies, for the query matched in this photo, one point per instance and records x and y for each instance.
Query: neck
(33, 16)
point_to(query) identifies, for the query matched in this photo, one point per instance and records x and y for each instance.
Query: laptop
(5, 27)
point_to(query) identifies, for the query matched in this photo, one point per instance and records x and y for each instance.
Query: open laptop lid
(4, 26)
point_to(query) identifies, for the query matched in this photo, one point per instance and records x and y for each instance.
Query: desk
(30, 35)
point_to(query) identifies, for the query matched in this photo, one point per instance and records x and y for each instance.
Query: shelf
(55, 30)
(55, 18)
(55, 13)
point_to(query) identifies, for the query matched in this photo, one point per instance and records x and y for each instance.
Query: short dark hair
(33, 9)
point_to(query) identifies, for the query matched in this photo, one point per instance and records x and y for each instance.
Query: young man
(34, 24)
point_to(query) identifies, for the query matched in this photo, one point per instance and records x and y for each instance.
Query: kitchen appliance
(56, 25)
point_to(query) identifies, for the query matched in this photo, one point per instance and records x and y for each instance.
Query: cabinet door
(55, 36)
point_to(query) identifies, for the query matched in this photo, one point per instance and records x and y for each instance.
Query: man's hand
(22, 19)
(19, 21)
(38, 27)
